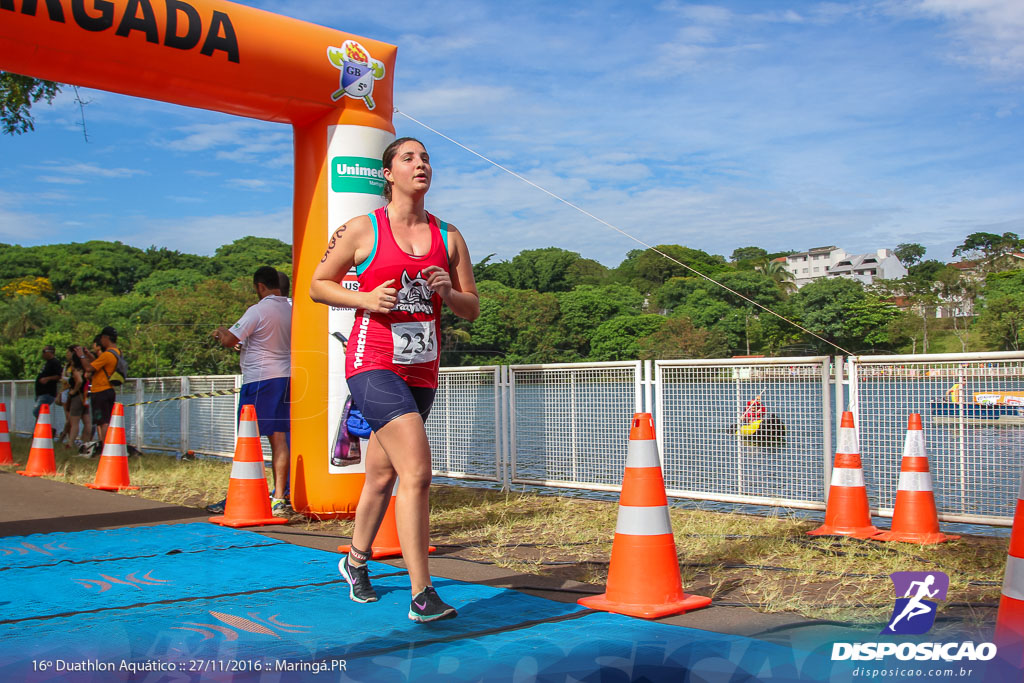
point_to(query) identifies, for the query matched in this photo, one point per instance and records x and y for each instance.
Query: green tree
(585, 271)
(655, 269)
(162, 258)
(17, 95)
(18, 262)
(516, 326)
(619, 338)
(909, 253)
(626, 272)
(1001, 318)
(918, 289)
(543, 270)
(173, 338)
(826, 306)
(24, 315)
(988, 249)
(868, 322)
(926, 270)
(587, 306)
(908, 326)
(11, 364)
(679, 338)
(715, 307)
(242, 257)
(776, 270)
(1002, 321)
(172, 278)
(747, 254)
(958, 293)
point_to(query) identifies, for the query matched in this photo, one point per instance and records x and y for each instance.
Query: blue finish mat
(281, 612)
(69, 588)
(84, 546)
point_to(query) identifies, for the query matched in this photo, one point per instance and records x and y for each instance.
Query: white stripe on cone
(913, 447)
(643, 521)
(247, 429)
(114, 450)
(247, 470)
(44, 443)
(915, 481)
(642, 453)
(1013, 582)
(847, 441)
(847, 476)
(1020, 494)
(5, 437)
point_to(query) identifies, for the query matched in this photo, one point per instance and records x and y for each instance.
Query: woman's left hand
(439, 280)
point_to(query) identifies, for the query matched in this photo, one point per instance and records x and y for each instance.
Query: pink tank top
(407, 339)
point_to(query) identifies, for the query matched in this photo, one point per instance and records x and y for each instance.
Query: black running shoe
(358, 579)
(428, 606)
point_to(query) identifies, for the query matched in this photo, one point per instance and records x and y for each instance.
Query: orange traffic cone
(386, 543)
(6, 455)
(643, 576)
(1009, 636)
(847, 512)
(41, 462)
(112, 471)
(914, 518)
(248, 501)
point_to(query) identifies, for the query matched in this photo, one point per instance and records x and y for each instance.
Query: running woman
(408, 262)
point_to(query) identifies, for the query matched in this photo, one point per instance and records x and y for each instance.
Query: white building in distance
(814, 264)
(808, 266)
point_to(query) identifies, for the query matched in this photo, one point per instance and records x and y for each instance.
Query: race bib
(413, 342)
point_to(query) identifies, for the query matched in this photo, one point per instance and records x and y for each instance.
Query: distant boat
(987, 408)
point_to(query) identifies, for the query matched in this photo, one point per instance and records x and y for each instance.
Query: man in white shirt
(264, 333)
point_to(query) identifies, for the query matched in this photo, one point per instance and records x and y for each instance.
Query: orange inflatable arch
(334, 88)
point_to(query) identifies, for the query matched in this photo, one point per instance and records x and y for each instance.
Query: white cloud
(79, 172)
(238, 140)
(19, 226)
(989, 33)
(249, 183)
(455, 100)
(60, 180)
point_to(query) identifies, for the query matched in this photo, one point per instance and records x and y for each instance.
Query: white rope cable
(620, 231)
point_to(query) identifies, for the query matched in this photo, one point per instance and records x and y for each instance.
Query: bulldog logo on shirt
(415, 296)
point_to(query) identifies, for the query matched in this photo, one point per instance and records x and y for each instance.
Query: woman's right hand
(382, 299)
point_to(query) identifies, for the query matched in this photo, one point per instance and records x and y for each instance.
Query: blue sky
(785, 125)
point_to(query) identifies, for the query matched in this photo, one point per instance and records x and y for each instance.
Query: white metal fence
(567, 425)
(706, 452)
(566, 422)
(974, 449)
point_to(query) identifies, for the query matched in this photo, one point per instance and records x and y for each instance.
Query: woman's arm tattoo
(334, 239)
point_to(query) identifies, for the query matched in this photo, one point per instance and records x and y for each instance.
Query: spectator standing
(75, 405)
(62, 398)
(100, 366)
(47, 380)
(265, 335)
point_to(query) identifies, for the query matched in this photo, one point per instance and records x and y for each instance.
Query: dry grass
(768, 563)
